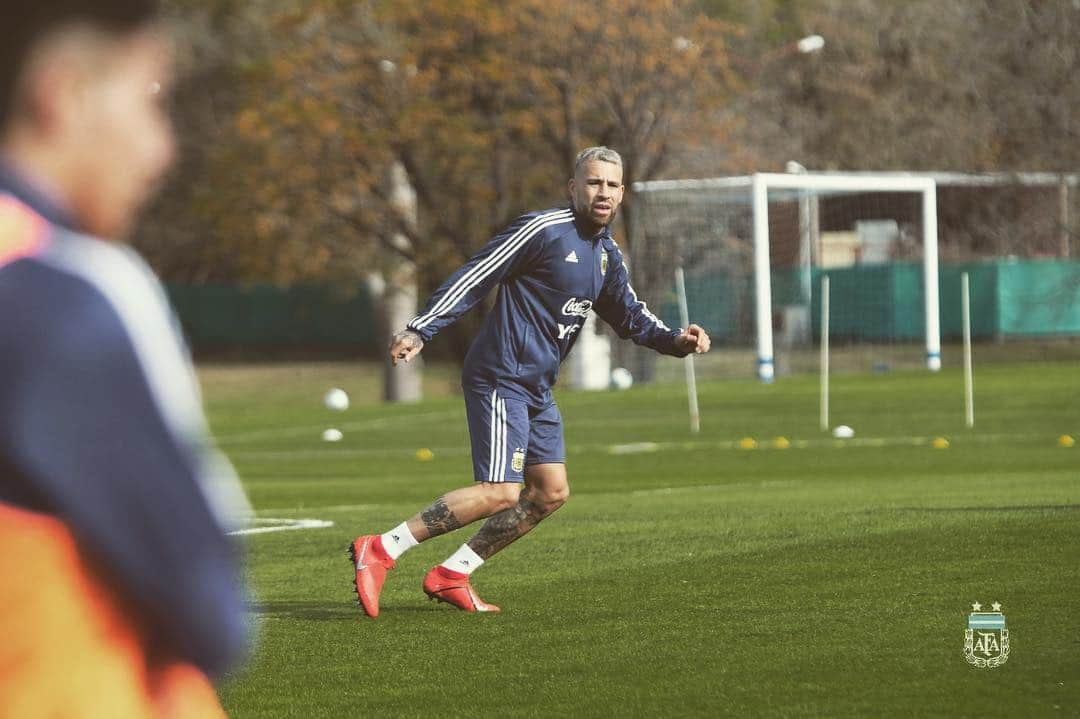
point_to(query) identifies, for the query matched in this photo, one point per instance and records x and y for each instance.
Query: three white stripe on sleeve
(477, 274)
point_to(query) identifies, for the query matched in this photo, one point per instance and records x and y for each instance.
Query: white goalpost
(762, 183)
(755, 246)
(750, 256)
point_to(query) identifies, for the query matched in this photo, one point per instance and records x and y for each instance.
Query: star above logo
(977, 607)
(996, 606)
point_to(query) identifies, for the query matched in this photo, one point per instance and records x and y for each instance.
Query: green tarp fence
(1022, 298)
(1009, 298)
(868, 303)
(262, 316)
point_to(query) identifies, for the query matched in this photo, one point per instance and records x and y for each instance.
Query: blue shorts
(508, 435)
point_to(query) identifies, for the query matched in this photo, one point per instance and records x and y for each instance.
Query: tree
(980, 85)
(974, 86)
(476, 109)
(645, 78)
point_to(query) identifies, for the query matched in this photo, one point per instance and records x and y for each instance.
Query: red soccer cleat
(371, 562)
(446, 585)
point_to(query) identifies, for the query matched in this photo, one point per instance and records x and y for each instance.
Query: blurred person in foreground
(120, 591)
(552, 268)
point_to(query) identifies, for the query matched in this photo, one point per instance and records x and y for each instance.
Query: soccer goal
(753, 252)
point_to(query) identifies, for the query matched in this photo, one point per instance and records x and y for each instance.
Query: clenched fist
(405, 345)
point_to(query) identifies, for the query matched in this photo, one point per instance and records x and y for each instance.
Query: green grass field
(828, 579)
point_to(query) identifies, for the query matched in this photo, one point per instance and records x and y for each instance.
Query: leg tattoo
(439, 519)
(503, 528)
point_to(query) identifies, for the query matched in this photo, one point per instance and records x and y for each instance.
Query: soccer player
(120, 592)
(552, 268)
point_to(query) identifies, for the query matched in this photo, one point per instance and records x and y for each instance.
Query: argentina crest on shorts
(986, 640)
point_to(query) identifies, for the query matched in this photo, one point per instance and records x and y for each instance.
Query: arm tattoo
(503, 528)
(439, 519)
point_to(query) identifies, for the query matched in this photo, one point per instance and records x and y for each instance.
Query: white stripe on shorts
(502, 441)
(493, 439)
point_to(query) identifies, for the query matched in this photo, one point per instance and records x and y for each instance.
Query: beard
(586, 215)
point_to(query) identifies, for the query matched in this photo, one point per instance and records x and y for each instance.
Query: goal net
(754, 251)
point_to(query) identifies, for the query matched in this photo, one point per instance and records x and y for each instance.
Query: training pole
(825, 353)
(688, 361)
(969, 390)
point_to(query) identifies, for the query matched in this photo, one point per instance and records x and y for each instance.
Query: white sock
(464, 560)
(398, 540)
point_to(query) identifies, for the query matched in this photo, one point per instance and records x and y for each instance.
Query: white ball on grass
(336, 399)
(842, 431)
(621, 378)
(332, 435)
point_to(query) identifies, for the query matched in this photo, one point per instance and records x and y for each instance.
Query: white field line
(633, 448)
(279, 481)
(691, 488)
(341, 507)
(339, 451)
(825, 442)
(703, 487)
(281, 525)
(315, 430)
(307, 508)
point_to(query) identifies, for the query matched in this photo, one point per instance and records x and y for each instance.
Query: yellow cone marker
(747, 443)
(424, 454)
(781, 443)
(1066, 440)
(939, 443)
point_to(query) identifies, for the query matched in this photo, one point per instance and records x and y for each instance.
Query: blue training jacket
(101, 426)
(550, 276)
